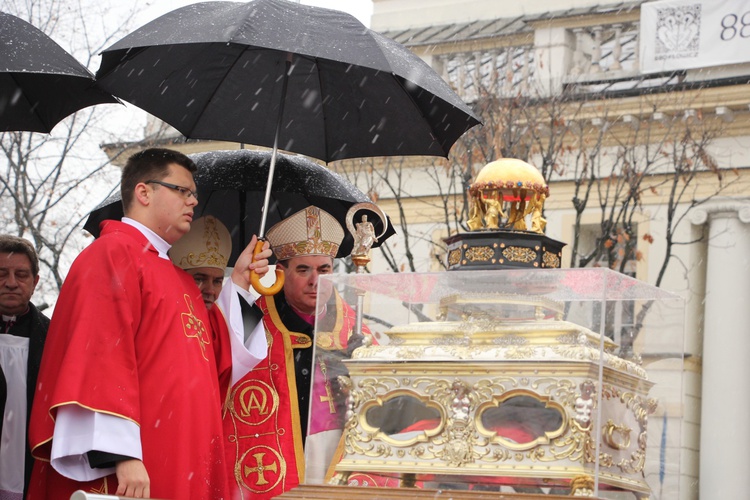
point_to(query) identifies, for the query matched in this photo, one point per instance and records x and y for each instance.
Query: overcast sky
(361, 9)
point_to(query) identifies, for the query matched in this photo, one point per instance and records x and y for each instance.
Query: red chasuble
(262, 430)
(130, 337)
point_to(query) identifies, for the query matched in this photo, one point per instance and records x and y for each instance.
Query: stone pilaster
(725, 406)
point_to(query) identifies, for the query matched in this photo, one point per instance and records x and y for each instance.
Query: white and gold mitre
(207, 244)
(311, 231)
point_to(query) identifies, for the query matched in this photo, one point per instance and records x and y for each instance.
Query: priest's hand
(246, 263)
(132, 479)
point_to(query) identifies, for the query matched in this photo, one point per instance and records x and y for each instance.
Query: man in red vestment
(128, 398)
(266, 413)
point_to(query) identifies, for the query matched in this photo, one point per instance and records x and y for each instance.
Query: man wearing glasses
(128, 399)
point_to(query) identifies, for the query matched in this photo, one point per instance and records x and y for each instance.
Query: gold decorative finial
(504, 193)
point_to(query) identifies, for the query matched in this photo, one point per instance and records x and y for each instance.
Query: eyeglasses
(185, 192)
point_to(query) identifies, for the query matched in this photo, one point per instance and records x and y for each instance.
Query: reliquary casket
(499, 389)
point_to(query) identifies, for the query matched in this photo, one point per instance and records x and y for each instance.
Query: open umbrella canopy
(40, 83)
(213, 70)
(231, 187)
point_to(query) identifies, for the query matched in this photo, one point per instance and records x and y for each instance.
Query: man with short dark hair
(23, 329)
(128, 400)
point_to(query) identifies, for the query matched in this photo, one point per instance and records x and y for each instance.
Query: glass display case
(552, 381)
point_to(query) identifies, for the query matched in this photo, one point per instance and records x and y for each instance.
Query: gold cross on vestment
(260, 468)
(194, 327)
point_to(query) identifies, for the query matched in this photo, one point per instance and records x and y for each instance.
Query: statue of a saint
(364, 237)
(493, 213)
(538, 223)
(518, 212)
(476, 214)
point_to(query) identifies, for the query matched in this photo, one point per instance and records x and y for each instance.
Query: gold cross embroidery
(260, 468)
(194, 327)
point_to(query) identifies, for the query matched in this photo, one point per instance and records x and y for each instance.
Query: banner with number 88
(685, 34)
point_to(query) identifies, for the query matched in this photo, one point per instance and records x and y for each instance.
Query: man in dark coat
(23, 329)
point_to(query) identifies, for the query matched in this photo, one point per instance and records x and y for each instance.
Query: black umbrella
(215, 70)
(40, 83)
(279, 74)
(231, 186)
(276, 73)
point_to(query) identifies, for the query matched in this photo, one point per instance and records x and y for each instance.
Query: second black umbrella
(231, 187)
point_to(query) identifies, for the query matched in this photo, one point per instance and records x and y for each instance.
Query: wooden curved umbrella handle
(255, 279)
